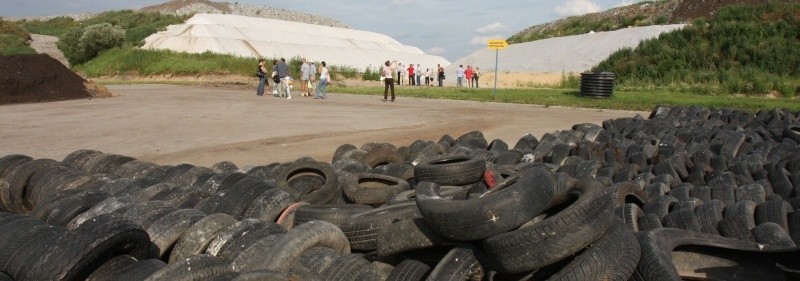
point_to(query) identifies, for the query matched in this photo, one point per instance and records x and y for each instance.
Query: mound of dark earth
(40, 78)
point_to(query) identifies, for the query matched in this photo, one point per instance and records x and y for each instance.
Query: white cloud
(626, 3)
(496, 27)
(484, 40)
(437, 51)
(576, 8)
(402, 2)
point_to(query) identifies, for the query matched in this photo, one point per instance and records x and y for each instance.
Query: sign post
(496, 45)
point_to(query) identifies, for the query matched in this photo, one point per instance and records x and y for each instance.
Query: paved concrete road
(202, 126)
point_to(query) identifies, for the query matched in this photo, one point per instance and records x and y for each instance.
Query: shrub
(82, 45)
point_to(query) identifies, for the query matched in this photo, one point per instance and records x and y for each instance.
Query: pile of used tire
(687, 193)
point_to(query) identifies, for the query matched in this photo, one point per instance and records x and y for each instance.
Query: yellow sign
(497, 44)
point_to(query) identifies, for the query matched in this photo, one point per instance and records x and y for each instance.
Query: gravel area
(45, 44)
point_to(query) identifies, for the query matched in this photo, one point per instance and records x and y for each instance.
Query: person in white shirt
(322, 85)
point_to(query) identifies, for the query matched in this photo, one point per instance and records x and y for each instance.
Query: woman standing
(440, 74)
(324, 79)
(475, 76)
(261, 72)
(388, 81)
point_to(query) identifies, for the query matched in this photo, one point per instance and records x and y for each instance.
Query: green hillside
(14, 39)
(742, 50)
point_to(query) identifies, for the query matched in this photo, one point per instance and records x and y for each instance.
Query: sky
(451, 29)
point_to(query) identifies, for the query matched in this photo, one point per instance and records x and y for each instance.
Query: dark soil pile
(40, 78)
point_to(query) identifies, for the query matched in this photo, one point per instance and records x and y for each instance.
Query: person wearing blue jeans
(460, 76)
(322, 86)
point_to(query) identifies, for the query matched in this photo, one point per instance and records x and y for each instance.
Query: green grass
(13, 45)
(642, 100)
(151, 62)
(14, 39)
(137, 25)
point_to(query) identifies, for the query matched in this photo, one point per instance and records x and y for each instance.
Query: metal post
(496, 56)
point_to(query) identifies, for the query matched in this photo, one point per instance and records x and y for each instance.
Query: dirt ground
(204, 125)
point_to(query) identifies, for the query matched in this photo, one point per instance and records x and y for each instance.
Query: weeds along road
(169, 124)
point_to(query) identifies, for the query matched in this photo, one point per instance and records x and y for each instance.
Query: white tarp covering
(259, 37)
(577, 53)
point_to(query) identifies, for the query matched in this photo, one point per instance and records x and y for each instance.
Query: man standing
(419, 75)
(411, 79)
(399, 74)
(282, 71)
(304, 72)
(460, 76)
(440, 74)
(468, 75)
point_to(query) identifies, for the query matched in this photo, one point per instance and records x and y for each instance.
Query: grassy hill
(14, 39)
(643, 13)
(741, 50)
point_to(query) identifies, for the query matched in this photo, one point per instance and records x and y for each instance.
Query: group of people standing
(394, 72)
(417, 76)
(283, 80)
(470, 74)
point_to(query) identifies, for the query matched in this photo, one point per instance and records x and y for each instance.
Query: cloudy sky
(452, 29)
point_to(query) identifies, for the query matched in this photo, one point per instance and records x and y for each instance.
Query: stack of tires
(688, 193)
(597, 84)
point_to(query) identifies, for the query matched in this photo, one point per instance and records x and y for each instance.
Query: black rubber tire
(86, 248)
(456, 170)
(141, 270)
(682, 219)
(224, 167)
(24, 241)
(197, 237)
(341, 151)
(78, 158)
(290, 246)
(323, 195)
(627, 192)
(13, 188)
(776, 211)
(106, 206)
(753, 192)
(362, 229)
(688, 204)
(660, 206)
(771, 233)
(336, 214)
(226, 237)
(71, 206)
(630, 214)
(566, 232)
(504, 208)
(612, 257)
(372, 189)
(415, 233)
(336, 266)
(649, 222)
(461, 263)
(238, 198)
(109, 270)
(167, 230)
(194, 268)
(409, 270)
(735, 227)
(381, 156)
(660, 247)
(237, 245)
(268, 205)
(656, 190)
(709, 215)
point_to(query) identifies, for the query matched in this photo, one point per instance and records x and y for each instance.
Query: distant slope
(639, 14)
(741, 50)
(187, 7)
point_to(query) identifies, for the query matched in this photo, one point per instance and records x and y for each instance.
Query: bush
(13, 45)
(743, 50)
(82, 45)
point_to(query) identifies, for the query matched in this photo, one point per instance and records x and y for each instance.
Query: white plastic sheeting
(575, 54)
(268, 38)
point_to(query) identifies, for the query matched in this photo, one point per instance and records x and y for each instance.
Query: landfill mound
(40, 78)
